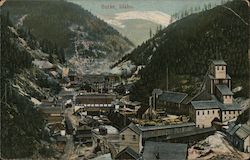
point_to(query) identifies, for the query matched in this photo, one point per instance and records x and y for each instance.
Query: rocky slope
(22, 86)
(68, 26)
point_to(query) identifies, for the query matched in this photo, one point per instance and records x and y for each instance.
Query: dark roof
(173, 151)
(202, 95)
(230, 107)
(209, 104)
(219, 62)
(174, 97)
(129, 151)
(150, 128)
(51, 110)
(95, 95)
(93, 78)
(83, 128)
(240, 130)
(243, 132)
(224, 90)
(233, 129)
(195, 131)
(133, 127)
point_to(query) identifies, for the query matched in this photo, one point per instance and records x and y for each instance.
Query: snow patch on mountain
(153, 16)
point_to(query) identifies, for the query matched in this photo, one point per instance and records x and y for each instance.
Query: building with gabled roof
(131, 136)
(168, 102)
(221, 106)
(239, 136)
(52, 114)
(127, 154)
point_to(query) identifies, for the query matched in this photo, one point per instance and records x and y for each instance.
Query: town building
(131, 136)
(204, 113)
(127, 154)
(168, 102)
(221, 106)
(129, 108)
(52, 114)
(57, 129)
(217, 76)
(239, 136)
(162, 150)
(106, 137)
(83, 134)
(190, 137)
(153, 132)
(94, 103)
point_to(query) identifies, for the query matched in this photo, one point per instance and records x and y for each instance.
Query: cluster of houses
(212, 109)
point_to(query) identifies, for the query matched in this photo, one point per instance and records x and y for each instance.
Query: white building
(221, 106)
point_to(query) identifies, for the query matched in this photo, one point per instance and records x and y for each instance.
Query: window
(234, 112)
(213, 112)
(222, 67)
(229, 112)
(202, 112)
(134, 137)
(207, 112)
(225, 117)
(123, 137)
(217, 67)
(198, 113)
(225, 97)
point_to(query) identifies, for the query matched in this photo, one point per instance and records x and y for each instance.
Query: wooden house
(127, 154)
(239, 136)
(52, 114)
(168, 102)
(131, 136)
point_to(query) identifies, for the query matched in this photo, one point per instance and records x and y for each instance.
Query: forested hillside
(66, 24)
(22, 127)
(186, 47)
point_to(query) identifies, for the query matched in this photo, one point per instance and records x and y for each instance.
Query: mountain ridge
(186, 47)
